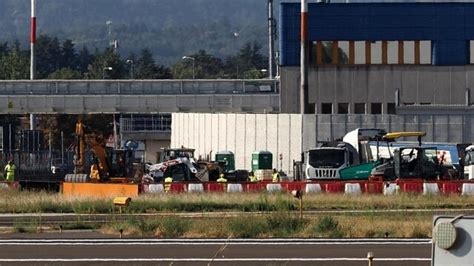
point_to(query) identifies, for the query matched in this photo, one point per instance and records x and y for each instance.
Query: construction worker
(221, 179)
(275, 176)
(252, 177)
(168, 181)
(10, 171)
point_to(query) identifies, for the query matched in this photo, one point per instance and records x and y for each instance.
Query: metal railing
(155, 123)
(138, 87)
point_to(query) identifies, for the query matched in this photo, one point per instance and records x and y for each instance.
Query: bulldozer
(100, 170)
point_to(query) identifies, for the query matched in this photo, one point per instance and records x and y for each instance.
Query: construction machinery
(413, 161)
(350, 158)
(179, 163)
(101, 170)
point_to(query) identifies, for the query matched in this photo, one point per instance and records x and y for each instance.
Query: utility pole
(270, 38)
(32, 55)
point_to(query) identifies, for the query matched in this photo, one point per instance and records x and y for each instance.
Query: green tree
(68, 57)
(107, 65)
(65, 73)
(146, 68)
(248, 63)
(84, 59)
(15, 65)
(48, 55)
(206, 66)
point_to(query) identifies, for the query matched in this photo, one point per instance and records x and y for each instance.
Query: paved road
(55, 249)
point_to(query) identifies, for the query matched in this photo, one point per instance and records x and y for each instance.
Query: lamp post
(105, 69)
(131, 67)
(194, 60)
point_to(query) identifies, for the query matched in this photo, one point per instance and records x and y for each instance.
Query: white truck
(469, 163)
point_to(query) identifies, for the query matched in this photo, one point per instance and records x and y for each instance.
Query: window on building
(376, 108)
(343, 52)
(408, 52)
(326, 108)
(391, 108)
(376, 52)
(359, 108)
(342, 108)
(425, 52)
(359, 53)
(392, 52)
(471, 51)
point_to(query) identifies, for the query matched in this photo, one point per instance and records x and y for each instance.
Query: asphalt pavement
(91, 248)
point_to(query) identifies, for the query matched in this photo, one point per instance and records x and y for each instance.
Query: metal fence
(154, 123)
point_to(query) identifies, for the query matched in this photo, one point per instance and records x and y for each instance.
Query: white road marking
(208, 259)
(177, 242)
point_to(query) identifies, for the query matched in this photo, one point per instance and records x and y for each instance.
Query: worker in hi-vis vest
(276, 176)
(9, 172)
(168, 181)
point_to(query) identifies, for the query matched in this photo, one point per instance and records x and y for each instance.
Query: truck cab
(326, 161)
(469, 163)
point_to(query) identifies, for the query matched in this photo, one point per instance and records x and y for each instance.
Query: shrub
(328, 226)
(174, 226)
(246, 227)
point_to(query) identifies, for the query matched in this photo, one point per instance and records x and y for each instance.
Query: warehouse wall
(419, 85)
(242, 134)
(439, 128)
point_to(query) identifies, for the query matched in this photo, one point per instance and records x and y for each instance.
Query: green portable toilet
(228, 157)
(262, 160)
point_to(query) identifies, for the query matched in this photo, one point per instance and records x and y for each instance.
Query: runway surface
(89, 249)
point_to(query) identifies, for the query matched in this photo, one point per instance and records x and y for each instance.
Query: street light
(194, 60)
(131, 67)
(105, 69)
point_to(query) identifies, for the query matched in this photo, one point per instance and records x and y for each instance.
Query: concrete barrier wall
(281, 133)
(242, 134)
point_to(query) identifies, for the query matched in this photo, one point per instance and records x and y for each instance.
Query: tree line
(61, 59)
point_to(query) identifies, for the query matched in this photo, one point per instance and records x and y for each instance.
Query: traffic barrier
(273, 187)
(290, 186)
(390, 189)
(450, 188)
(215, 187)
(253, 187)
(430, 188)
(155, 188)
(313, 188)
(177, 187)
(373, 187)
(336, 187)
(234, 187)
(352, 189)
(195, 188)
(412, 187)
(467, 189)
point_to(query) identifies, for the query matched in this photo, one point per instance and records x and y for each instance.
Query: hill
(170, 28)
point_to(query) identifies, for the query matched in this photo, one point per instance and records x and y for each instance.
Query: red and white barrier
(463, 187)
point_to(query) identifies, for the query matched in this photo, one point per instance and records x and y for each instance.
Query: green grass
(40, 202)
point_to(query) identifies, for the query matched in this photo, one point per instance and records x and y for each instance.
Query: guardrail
(138, 87)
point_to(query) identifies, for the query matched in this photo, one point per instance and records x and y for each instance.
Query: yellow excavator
(112, 172)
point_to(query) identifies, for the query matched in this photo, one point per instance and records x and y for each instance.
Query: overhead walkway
(138, 96)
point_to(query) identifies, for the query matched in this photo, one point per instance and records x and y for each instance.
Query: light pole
(131, 67)
(194, 60)
(105, 69)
